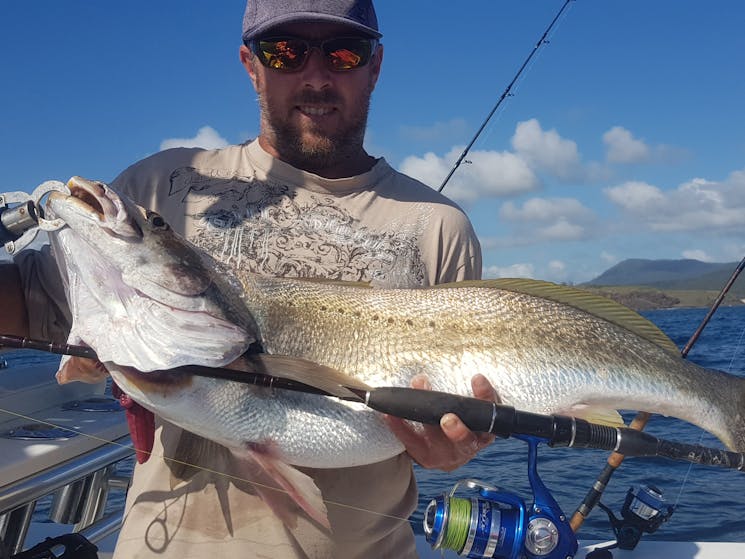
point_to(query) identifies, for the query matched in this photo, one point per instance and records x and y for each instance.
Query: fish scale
(545, 348)
(541, 355)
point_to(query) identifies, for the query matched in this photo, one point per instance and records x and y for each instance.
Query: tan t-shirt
(255, 212)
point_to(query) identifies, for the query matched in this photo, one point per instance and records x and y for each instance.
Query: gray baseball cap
(261, 15)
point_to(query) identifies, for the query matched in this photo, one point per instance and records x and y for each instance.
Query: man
(304, 200)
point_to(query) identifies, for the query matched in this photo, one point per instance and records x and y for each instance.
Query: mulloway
(147, 300)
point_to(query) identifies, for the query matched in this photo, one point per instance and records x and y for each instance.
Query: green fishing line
(458, 523)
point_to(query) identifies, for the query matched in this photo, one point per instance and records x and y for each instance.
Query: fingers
(421, 382)
(462, 437)
(483, 390)
(465, 441)
(450, 444)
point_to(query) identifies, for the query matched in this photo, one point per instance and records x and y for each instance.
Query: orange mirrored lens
(345, 53)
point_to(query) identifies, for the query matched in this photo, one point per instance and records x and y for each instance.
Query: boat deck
(645, 550)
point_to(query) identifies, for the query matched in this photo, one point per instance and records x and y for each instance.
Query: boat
(646, 550)
(65, 459)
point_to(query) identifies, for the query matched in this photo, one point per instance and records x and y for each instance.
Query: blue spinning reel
(497, 524)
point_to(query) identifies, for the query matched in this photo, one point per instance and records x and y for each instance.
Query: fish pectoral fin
(288, 483)
(308, 372)
(601, 416)
(79, 369)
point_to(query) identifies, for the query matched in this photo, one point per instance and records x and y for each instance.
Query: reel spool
(644, 511)
(488, 526)
(497, 524)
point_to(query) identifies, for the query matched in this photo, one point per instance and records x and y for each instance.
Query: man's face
(313, 118)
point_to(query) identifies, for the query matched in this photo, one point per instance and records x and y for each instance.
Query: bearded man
(304, 199)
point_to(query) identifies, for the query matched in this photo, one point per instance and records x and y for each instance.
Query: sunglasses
(289, 54)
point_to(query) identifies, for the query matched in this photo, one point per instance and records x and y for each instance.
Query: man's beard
(313, 149)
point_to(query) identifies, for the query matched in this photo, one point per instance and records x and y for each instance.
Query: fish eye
(156, 221)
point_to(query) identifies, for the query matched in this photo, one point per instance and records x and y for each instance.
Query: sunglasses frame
(254, 46)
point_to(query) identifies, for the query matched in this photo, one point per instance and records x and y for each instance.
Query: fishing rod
(250, 371)
(428, 406)
(639, 422)
(505, 94)
(714, 307)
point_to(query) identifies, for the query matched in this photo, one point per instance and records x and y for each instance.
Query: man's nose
(316, 72)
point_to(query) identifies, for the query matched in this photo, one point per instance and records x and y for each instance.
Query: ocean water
(708, 500)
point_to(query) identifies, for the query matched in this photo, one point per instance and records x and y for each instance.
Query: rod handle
(428, 406)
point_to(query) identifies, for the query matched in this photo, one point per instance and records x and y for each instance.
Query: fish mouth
(94, 202)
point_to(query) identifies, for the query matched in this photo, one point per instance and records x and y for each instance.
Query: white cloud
(562, 230)
(557, 269)
(547, 150)
(608, 258)
(485, 174)
(544, 210)
(513, 271)
(622, 147)
(697, 254)
(635, 195)
(549, 219)
(698, 204)
(489, 174)
(207, 138)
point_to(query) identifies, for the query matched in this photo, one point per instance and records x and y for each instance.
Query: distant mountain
(649, 284)
(667, 274)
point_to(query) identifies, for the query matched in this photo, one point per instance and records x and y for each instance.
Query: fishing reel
(22, 216)
(644, 511)
(497, 524)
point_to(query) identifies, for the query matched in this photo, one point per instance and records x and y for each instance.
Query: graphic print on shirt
(275, 229)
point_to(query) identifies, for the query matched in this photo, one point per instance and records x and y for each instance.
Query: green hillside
(652, 284)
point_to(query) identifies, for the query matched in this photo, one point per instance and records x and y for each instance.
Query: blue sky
(625, 138)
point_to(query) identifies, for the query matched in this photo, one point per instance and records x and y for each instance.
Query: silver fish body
(542, 353)
(545, 348)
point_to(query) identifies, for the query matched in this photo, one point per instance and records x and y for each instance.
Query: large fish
(146, 299)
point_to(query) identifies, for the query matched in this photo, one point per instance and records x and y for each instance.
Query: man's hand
(452, 444)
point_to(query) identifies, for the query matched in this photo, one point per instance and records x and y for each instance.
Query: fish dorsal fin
(584, 300)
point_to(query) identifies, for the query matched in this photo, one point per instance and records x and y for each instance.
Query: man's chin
(315, 148)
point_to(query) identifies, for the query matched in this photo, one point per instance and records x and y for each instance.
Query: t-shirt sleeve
(459, 250)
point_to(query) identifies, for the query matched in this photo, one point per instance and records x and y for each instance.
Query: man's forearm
(13, 314)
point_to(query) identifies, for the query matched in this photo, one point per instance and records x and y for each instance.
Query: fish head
(140, 294)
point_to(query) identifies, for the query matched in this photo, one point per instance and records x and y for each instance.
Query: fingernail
(448, 421)
(422, 382)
